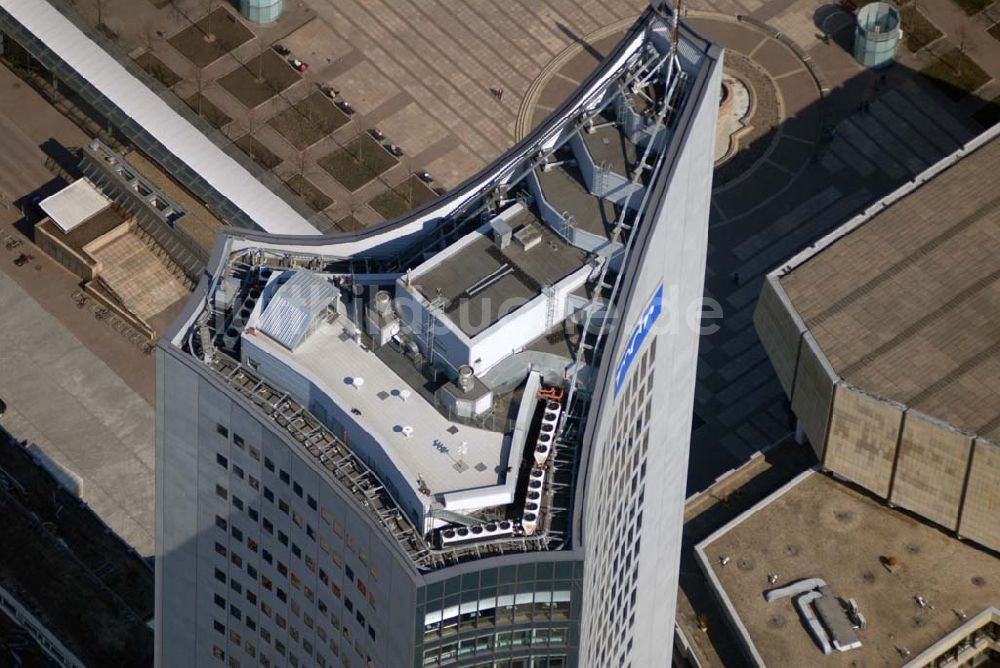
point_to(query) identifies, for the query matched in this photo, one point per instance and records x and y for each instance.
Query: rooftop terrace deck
(331, 359)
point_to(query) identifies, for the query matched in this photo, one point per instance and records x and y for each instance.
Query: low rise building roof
(74, 205)
(907, 304)
(817, 527)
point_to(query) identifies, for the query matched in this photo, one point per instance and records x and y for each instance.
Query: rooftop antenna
(675, 31)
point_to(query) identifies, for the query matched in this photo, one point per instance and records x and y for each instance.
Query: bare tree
(100, 12)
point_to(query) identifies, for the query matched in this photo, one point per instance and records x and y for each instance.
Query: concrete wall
(190, 411)
(861, 444)
(780, 331)
(930, 471)
(812, 395)
(670, 252)
(981, 508)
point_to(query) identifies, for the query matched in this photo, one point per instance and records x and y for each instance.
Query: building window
(219, 626)
(268, 464)
(235, 637)
(237, 502)
(235, 612)
(297, 519)
(251, 571)
(296, 551)
(236, 559)
(237, 440)
(220, 576)
(221, 460)
(238, 471)
(268, 494)
(218, 653)
(254, 454)
(283, 506)
(236, 586)
(221, 522)
(282, 537)
(253, 514)
(311, 502)
(221, 549)
(283, 476)
(254, 483)
(237, 534)
(220, 601)
(221, 492)
(222, 431)
(371, 632)
(268, 526)
(297, 488)
(349, 572)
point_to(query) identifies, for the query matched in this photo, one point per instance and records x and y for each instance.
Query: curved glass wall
(525, 616)
(261, 11)
(876, 35)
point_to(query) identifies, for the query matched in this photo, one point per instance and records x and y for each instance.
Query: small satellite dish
(357, 382)
(404, 395)
(407, 431)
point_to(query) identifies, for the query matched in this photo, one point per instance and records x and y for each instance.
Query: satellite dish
(357, 382)
(404, 394)
(407, 431)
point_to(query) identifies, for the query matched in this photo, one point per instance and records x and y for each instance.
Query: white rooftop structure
(177, 135)
(292, 312)
(328, 364)
(74, 205)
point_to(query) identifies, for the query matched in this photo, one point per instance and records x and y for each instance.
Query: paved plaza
(421, 71)
(65, 399)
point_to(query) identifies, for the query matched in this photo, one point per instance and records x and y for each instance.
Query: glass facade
(261, 11)
(524, 616)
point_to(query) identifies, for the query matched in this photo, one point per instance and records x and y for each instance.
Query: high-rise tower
(459, 438)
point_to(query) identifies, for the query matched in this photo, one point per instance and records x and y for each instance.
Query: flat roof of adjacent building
(74, 205)
(907, 305)
(817, 527)
(332, 358)
(166, 126)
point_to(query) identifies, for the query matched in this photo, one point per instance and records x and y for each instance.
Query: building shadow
(835, 23)
(566, 30)
(867, 137)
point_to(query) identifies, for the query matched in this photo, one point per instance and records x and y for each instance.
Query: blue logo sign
(639, 334)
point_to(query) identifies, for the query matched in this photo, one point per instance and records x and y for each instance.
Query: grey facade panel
(812, 395)
(931, 469)
(861, 445)
(780, 331)
(980, 520)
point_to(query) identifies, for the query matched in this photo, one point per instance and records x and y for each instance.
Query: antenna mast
(675, 33)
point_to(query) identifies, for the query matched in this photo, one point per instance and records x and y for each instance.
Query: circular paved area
(782, 129)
